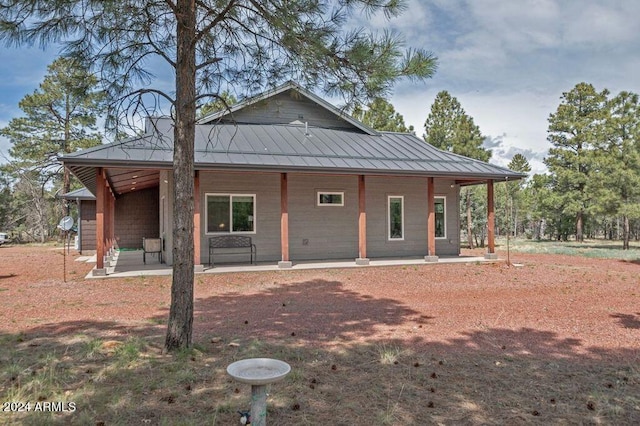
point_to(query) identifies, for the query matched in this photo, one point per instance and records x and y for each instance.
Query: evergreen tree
(616, 166)
(209, 44)
(60, 118)
(518, 163)
(449, 128)
(574, 130)
(381, 115)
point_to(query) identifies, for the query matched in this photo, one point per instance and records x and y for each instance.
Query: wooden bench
(239, 243)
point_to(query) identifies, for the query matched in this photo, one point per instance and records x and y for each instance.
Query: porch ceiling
(123, 181)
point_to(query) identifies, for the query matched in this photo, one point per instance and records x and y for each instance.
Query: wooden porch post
(491, 222)
(431, 222)
(196, 224)
(100, 204)
(112, 220)
(362, 223)
(284, 221)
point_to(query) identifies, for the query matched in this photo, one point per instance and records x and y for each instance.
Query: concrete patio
(130, 264)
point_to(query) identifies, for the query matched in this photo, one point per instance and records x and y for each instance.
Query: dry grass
(554, 342)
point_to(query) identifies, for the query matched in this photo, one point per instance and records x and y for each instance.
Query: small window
(441, 217)
(330, 198)
(395, 217)
(230, 213)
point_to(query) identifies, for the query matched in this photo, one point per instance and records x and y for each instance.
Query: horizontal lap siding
(266, 187)
(331, 232)
(414, 191)
(285, 108)
(88, 225)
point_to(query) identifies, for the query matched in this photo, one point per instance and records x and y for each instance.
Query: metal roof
(79, 194)
(287, 148)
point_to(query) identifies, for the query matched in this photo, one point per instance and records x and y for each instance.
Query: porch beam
(431, 222)
(284, 221)
(362, 223)
(491, 222)
(196, 223)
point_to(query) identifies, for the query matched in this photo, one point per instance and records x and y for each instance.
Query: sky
(507, 62)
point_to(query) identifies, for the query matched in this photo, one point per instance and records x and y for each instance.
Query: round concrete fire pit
(258, 372)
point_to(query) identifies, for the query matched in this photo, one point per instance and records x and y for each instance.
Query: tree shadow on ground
(376, 362)
(628, 320)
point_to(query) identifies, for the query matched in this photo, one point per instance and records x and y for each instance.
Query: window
(330, 198)
(230, 213)
(441, 217)
(395, 217)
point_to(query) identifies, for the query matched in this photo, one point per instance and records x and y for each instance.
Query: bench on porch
(151, 246)
(232, 245)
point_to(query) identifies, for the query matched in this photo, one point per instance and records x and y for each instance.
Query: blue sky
(507, 62)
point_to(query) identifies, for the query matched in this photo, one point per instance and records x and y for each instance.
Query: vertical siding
(136, 217)
(327, 232)
(266, 187)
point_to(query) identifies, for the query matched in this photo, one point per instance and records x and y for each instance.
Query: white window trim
(444, 200)
(231, 231)
(319, 193)
(389, 197)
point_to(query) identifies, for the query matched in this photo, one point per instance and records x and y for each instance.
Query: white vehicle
(4, 238)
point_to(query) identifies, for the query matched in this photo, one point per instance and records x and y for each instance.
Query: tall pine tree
(574, 130)
(60, 118)
(381, 115)
(616, 166)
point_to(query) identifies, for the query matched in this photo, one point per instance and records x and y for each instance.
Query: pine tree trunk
(579, 234)
(469, 223)
(625, 232)
(180, 325)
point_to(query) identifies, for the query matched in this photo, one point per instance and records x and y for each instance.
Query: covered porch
(130, 264)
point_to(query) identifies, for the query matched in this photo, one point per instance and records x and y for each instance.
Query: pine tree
(616, 164)
(60, 118)
(382, 116)
(574, 130)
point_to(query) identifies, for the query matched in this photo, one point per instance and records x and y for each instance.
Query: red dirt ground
(587, 303)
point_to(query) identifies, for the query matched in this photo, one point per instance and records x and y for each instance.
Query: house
(302, 178)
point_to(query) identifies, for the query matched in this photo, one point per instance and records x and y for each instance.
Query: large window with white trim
(230, 213)
(441, 216)
(395, 217)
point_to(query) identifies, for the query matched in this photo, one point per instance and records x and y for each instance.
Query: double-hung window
(231, 213)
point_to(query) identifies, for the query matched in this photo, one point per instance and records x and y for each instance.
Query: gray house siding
(322, 232)
(285, 108)
(266, 187)
(88, 225)
(414, 192)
